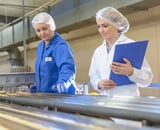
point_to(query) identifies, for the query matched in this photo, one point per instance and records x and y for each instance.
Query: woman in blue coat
(54, 66)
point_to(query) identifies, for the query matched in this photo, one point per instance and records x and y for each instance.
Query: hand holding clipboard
(135, 53)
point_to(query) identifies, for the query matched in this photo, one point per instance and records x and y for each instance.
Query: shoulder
(40, 44)
(124, 39)
(101, 47)
(100, 50)
(58, 40)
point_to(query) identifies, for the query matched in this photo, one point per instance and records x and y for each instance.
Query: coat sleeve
(65, 62)
(142, 77)
(94, 78)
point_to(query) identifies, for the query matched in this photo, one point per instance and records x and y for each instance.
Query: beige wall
(4, 63)
(83, 47)
(144, 25)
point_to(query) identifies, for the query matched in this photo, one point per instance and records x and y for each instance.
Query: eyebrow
(103, 24)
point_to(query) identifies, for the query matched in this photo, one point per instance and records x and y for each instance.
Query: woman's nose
(101, 29)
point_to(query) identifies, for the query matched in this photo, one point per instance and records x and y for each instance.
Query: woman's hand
(106, 84)
(122, 68)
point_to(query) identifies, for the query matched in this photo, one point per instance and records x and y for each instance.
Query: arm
(66, 65)
(94, 79)
(142, 77)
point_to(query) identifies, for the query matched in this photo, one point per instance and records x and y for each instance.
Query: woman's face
(107, 30)
(44, 31)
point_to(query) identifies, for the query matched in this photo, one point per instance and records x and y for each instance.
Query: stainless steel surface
(135, 108)
(15, 117)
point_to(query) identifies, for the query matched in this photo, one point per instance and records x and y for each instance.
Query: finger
(126, 60)
(109, 84)
(54, 88)
(117, 64)
(62, 89)
(116, 71)
(114, 68)
(59, 88)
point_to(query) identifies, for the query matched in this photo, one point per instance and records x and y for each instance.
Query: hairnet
(114, 17)
(44, 18)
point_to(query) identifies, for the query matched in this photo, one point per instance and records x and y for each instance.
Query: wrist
(131, 72)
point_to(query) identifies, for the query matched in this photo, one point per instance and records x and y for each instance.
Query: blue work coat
(54, 64)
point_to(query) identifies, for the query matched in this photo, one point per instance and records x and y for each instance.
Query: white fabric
(100, 69)
(46, 18)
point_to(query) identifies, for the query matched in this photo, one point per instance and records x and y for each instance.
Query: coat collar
(122, 38)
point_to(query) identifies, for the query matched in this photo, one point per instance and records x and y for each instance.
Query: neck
(112, 40)
(47, 41)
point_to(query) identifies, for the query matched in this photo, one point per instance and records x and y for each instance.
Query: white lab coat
(100, 69)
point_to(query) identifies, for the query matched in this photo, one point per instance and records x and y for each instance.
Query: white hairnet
(114, 17)
(44, 18)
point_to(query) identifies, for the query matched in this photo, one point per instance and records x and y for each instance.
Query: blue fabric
(71, 89)
(32, 88)
(54, 64)
(60, 88)
(154, 85)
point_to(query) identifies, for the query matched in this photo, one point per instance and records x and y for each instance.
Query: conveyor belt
(134, 108)
(14, 117)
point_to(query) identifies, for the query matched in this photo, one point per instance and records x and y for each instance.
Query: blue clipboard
(135, 53)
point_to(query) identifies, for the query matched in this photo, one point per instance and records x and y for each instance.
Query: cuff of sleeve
(134, 75)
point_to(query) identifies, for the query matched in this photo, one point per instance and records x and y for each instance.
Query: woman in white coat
(112, 25)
